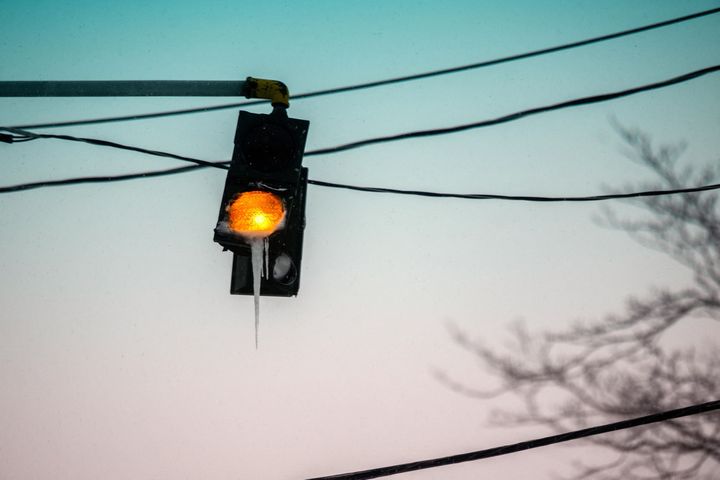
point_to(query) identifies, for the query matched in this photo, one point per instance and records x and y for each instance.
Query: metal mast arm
(125, 88)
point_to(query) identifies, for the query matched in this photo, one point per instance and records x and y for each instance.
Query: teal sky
(122, 355)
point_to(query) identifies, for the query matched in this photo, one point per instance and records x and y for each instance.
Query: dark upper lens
(269, 148)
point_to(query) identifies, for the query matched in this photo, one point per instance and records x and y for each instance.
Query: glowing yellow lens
(255, 213)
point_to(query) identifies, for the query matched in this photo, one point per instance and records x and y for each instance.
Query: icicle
(257, 252)
(266, 241)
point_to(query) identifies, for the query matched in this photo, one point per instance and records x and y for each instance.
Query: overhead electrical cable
(17, 134)
(95, 179)
(320, 183)
(419, 193)
(390, 81)
(528, 445)
(520, 198)
(21, 135)
(517, 115)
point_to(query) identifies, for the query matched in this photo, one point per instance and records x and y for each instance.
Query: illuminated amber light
(255, 213)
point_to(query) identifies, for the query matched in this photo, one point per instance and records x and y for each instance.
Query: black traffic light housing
(268, 157)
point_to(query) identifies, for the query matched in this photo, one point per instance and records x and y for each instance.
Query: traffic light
(264, 197)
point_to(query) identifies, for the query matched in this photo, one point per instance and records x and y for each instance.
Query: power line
(146, 116)
(517, 115)
(521, 198)
(24, 135)
(320, 183)
(527, 445)
(395, 80)
(20, 135)
(16, 134)
(96, 179)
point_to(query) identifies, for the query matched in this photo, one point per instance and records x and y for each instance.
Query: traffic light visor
(256, 213)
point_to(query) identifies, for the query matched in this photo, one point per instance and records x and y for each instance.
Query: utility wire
(517, 115)
(96, 179)
(518, 447)
(25, 135)
(391, 81)
(20, 136)
(16, 134)
(320, 183)
(520, 198)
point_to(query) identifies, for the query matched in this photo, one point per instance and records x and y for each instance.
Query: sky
(122, 353)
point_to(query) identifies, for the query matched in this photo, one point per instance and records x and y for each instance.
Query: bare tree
(602, 371)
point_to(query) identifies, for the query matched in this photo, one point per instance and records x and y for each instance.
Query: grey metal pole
(128, 88)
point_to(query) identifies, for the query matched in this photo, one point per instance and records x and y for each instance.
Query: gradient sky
(122, 355)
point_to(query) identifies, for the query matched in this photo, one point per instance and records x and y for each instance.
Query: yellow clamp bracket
(273, 90)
